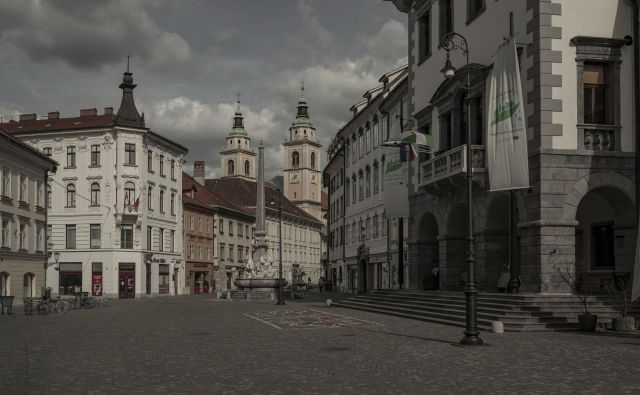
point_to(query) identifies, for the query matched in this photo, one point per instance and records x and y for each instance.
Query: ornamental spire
(238, 121)
(128, 114)
(302, 117)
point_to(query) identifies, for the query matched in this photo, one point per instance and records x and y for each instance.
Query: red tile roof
(207, 197)
(44, 125)
(243, 192)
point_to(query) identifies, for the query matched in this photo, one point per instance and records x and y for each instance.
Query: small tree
(620, 292)
(575, 284)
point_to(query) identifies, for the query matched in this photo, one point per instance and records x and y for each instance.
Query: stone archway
(29, 285)
(423, 270)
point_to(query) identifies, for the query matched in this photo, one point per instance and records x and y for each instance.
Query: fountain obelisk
(260, 246)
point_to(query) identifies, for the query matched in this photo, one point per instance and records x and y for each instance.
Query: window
(162, 201)
(150, 198)
(361, 143)
(375, 226)
(474, 8)
(424, 40)
(173, 203)
(39, 194)
(49, 197)
(368, 138)
(602, 246)
(94, 234)
(295, 160)
(221, 251)
(246, 167)
(6, 242)
(240, 228)
(172, 240)
(347, 152)
(313, 160)
(368, 181)
(126, 236)
(376, 178)
(129, 194)
(130, 154)
(354, 188)
(230, 228)
(163, 279)
(246, 231)
(6, 182)
(149, 237)
(162, 165)
(347, 189)
(595, 93)
(231, 253)
(71, 236)
(95, 155)
(173, 169)
(446, 17)
(240, 251)
(150, 161)
(376, 133)
(47, 151)
(160, 239)
(23, 236)
(221, 226)
(230, 169)
(361, 186)
(71, 195)
(23, 188)
(71, 156)
(39, 239)
(95, 194)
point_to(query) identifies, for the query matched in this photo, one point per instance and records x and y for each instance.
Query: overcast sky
(190, 58)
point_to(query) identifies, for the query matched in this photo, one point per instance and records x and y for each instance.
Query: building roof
(44, 159)
(243, 192)
(209, 198)
(59, 124)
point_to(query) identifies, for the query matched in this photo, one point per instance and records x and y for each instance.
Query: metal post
(280, 287)
(514, 264)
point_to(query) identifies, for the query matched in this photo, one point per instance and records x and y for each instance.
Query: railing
(451, 163)
(598, 137)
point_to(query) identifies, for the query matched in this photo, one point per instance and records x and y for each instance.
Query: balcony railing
(599, 137)
(451, 163)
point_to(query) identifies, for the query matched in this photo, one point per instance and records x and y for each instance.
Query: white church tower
(237, 159)
(302, 175)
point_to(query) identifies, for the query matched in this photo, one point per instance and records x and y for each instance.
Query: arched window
(129, 194)
(376, 132)
(354, 186)
(376, 178)
(95, 194)
(346, 192)
(230, 168)
(295, 160)
(71, 195)
(368, 181)
(246, 167)
(361, 186)
(313, 160)
(162, 201)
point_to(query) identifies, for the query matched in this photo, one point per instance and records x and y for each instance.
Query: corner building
(115, 202)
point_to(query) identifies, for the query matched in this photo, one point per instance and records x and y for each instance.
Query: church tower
(302, 177)
(237, 159)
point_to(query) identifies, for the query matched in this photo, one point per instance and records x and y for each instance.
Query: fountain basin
(259, 284)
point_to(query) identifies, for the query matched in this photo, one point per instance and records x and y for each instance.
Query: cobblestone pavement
(196, 344)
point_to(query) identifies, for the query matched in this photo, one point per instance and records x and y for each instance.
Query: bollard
(497, 326)
(219, 295)
(228, 295)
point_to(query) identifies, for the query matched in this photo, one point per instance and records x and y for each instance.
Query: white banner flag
(396, 190)
(507, 155)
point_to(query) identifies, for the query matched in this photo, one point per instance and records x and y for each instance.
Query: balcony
(599, 137)
(450, 166)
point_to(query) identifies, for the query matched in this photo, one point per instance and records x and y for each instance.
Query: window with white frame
(95, 155)
(6, 227)
(39, 194)
(95, 194)
(71, 195)
(23, 188)
(95, 235)
(23, 236)
(130, 154)
(6, 182)
(40, 238)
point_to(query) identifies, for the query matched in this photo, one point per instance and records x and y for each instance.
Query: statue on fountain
(262, 269)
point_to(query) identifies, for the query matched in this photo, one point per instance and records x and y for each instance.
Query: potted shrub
(587, 321)
(620, 292)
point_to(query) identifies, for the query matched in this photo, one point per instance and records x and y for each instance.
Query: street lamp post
(471, 334)
(280, 287)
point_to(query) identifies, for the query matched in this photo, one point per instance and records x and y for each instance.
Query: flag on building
(507, 154)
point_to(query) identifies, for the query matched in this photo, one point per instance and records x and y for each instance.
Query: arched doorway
(29, 285)
(605, 237)
(453, 271)
(4, 284)
(424, 272)
(492, 252)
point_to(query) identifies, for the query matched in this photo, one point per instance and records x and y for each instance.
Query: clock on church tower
(302, 183)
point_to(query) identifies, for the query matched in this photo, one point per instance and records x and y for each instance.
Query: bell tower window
(230, 169)
(295, 160)
(246, 167)
(313, 160)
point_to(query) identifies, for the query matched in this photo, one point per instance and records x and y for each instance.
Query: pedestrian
(321, 283)
(309, 283)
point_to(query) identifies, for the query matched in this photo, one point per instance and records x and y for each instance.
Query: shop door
(127, 280)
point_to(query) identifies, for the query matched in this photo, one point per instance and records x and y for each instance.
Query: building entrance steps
(518, 312)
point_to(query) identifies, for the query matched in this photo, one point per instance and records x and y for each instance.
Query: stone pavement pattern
(198, 345)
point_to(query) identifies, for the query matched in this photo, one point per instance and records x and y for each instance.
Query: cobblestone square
(200, 345)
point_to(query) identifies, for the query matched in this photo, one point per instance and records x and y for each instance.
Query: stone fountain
(259, 274)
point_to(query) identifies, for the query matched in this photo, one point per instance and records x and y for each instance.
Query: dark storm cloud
(191, 58)
(89, 34)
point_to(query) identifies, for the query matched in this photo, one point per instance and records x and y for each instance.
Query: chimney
(88, 112)
(198, 171)
(108, 111)
(53, 115)
(28, 117)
